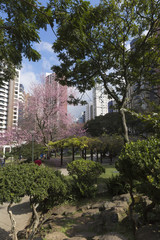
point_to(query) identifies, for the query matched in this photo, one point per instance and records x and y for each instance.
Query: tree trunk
(35, 223)
(101, 157)
(97, 157)
(85, 155)
(13, 223)
(111, 158)
(124, 126)
(61, 157)
(131, 209)
(92, 154)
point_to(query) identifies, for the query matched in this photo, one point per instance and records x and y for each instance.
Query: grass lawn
(110, 171)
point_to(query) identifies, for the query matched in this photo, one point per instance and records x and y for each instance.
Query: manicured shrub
(140, 161)
(139, 164)
(44, 187)
(85, 174)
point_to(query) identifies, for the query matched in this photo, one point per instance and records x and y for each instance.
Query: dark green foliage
(20, 22)
(25, 150)
(111, 124)
(116, 185)
(41, 184)
(140, 161)
(85, 174)
(12, 184)
(112, 145)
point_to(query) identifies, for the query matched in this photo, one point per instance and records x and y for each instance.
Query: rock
(123, 197)
(63, 210)
(122, 204)
(77, 238)
(108, 205)
(56, 236)
(110, 236)
(90, 212)
(85, 207)
(113, 216)
(97, 205)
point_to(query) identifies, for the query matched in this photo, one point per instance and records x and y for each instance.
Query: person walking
(2, 161)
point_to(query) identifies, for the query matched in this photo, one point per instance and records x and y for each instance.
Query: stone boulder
(109, 236)
(56, 236)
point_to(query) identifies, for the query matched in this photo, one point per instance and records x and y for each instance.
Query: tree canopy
(93, 46)
(111, 124)
(20, 22)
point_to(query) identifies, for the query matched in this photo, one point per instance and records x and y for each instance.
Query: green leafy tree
(60, 144)
(111, 124)
(73, 143)
(112, 144)
(43, 186)
(92, 46)
(85, 174)
(20, 22)
(25, 150)
(12, 189)
(140, 161)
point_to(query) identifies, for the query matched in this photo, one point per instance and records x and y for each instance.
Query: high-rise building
(100, 101)
(89, 112)
(99, 104)
(147, 93)
(9, 95)
(21, 102)
(58, 89)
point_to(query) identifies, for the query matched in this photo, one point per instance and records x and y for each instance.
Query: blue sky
(33, 71)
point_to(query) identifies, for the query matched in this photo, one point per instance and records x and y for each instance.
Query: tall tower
(21, 102)
(9, 95)
(100, 101)
(60, 90)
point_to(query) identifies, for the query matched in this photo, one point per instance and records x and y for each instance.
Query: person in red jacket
(38, 162)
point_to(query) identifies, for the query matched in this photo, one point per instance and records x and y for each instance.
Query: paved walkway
(22, 213)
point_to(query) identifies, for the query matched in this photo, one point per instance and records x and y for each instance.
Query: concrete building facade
(60, 90)
(100, 101)
(9, 96)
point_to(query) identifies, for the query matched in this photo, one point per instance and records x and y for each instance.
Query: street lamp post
(32, 132)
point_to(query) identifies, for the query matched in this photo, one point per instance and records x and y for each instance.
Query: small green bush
(116, 185)
(85, 174)
(140, 161)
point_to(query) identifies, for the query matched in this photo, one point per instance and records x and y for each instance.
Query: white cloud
(46, 64)
(44, 46)
(27, 78)
(54, 60)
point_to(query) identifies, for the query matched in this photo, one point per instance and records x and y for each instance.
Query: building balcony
(3, 117)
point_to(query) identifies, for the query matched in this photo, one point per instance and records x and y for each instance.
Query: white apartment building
(99, 104)
(21, 102)
(9, 96)
(100, 101)
(89, 112)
